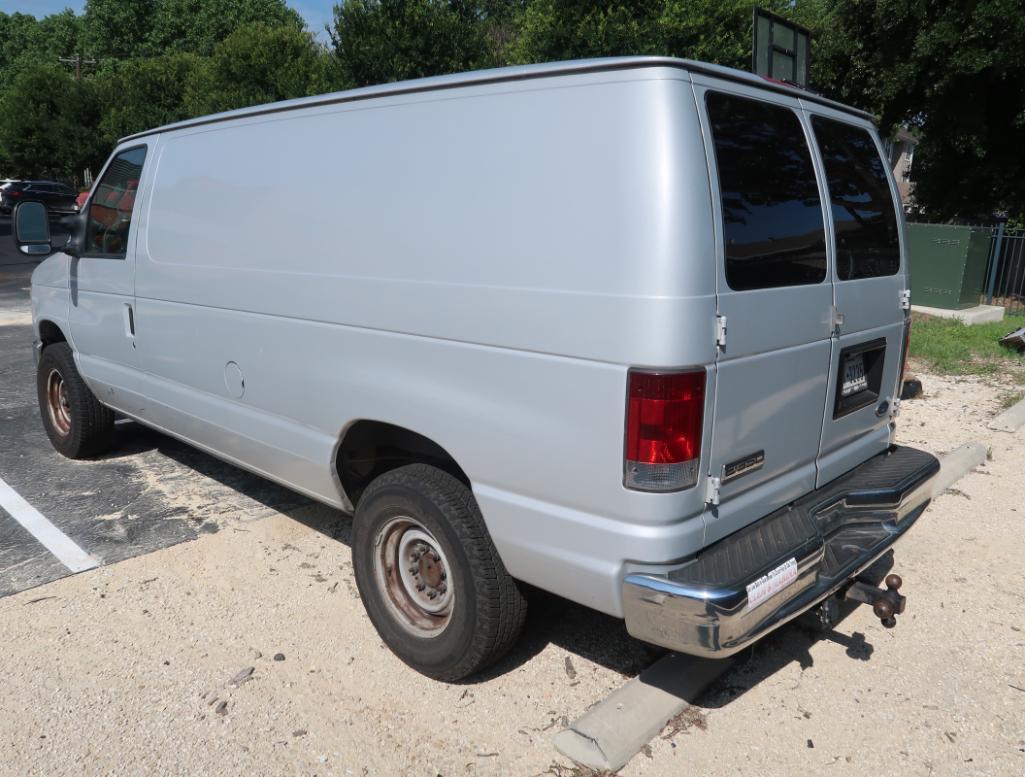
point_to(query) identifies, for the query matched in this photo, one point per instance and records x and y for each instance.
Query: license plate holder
(859, 376)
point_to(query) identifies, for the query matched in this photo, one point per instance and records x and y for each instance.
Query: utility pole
(77, 61)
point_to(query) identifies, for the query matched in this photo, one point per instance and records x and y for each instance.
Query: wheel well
(49, 333)
(371, 448)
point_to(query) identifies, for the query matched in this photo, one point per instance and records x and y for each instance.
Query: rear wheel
(430, 576)
(75, 421)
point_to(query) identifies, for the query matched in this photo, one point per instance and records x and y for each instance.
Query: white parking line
(52, 538)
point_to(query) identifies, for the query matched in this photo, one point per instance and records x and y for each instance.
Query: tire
(431, 520)
(76, 423)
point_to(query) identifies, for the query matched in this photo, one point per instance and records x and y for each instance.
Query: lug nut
(432, 594)
(412, 570)
(444, 576)
(420, 586)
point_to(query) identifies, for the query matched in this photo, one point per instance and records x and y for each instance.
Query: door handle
(129, 316)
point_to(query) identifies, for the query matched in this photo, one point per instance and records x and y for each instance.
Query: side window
(864, 215)
(774, 234)
(110, 207)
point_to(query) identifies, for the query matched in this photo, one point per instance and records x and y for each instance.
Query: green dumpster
(948, 264)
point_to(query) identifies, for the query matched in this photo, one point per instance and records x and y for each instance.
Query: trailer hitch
(886, 604)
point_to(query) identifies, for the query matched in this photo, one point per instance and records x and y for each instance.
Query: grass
(949, 347)
(1010, 398)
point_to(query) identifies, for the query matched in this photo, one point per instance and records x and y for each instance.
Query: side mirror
(32, 229)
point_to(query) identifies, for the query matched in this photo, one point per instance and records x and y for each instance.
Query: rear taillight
(904, 354)
(14, 193)
(664, 417)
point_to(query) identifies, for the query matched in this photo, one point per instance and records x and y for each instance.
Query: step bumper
(748, 584)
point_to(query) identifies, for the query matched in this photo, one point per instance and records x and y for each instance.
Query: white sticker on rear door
(771, 583)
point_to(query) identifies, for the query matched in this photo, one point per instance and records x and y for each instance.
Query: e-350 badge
(743, 466)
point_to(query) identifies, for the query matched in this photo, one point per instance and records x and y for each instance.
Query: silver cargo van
(629, 330)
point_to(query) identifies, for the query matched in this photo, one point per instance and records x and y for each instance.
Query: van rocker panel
(750, 583)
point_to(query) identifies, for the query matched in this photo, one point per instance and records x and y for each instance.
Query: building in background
(901, 153)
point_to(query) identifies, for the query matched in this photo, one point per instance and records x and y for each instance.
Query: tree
(139, 94)
(712, 30)
(48, 124)
(199, 25)
(25, 41)
(257, 64)
(574, 29)
(379, 41)
(117, 28)
(952, 70)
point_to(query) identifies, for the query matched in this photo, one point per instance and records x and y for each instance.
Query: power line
(77, 61)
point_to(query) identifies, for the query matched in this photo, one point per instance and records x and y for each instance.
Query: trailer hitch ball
(883, 606)
(886, 605)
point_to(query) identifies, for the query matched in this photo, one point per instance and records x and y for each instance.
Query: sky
(317, 13)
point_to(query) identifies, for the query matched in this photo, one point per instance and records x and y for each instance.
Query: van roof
(499, 75)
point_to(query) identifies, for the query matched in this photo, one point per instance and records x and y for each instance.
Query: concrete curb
(958, 463)
(1011, 420)
(612, 732)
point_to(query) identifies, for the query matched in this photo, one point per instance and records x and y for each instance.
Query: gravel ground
(129, 669)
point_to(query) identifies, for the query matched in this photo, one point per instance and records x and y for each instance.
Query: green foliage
(256, 64)
(25, 41)
(199, 25)
(116, 28)
(706, 30)
(47, 124)
(953, 70)
(158, 61)
(138, 94)
(948, 346)
(712, 31)
(575, 29)
(378, 41)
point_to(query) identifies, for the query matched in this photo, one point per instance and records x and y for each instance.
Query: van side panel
(481, 266)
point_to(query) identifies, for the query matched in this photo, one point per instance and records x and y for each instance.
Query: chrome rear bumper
(750, 583)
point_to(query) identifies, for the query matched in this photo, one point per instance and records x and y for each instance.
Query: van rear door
(869, 279)
(775, 292)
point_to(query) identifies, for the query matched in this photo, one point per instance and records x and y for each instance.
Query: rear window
(864, 216)
(774, 234)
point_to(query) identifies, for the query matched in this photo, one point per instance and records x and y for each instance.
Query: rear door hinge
(905, 299)
(720, 332)
(712, 486)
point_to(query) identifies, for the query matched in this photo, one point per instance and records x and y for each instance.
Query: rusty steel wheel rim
(412, 572)
(57, 403)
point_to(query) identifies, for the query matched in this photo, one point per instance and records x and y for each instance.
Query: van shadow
(132, 439)
(551, 620)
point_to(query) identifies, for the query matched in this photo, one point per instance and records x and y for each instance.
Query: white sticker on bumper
(771, 583)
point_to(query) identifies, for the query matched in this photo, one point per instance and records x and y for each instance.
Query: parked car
(628, 330)
(57, 197)
(6, 182)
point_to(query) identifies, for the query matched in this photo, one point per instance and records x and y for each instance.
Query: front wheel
(75, 421)
(429, 575)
